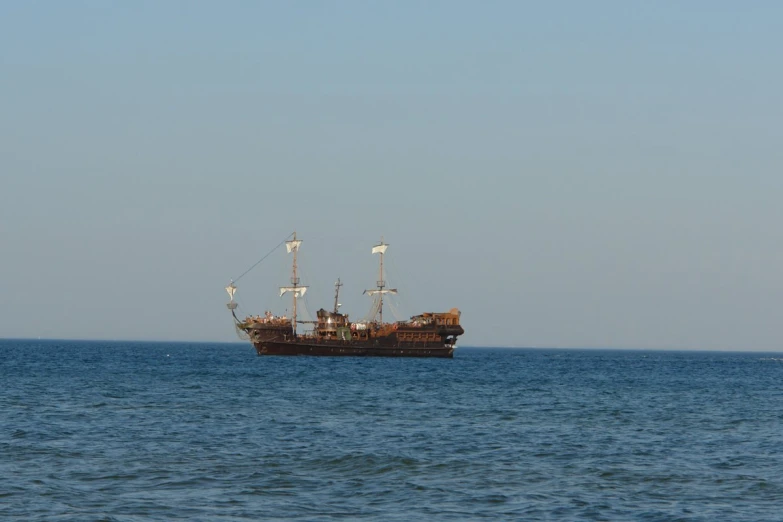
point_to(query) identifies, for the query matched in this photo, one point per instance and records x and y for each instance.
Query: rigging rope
(267, 255)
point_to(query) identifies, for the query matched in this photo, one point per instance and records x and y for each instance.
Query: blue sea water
(184, 431)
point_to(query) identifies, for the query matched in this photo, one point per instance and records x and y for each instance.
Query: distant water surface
(178, 431)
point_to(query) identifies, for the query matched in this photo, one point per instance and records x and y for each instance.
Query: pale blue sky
(603, 174)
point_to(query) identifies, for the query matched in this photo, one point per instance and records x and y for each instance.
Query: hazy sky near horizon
(568, 174)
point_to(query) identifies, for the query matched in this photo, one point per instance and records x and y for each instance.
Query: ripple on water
(140, 431)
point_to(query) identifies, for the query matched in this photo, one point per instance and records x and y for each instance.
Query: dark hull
(352, 349)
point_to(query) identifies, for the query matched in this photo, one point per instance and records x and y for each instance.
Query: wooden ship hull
(348, 349)
(333, 334)
(404, 340)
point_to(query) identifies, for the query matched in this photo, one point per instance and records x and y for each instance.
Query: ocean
(132, 431)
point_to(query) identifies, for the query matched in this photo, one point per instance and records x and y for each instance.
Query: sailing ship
(428, 334)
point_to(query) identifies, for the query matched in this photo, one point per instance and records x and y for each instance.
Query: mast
(295, 282)
(295, 288)
(380, 248)
(337, 286)
(381, 282)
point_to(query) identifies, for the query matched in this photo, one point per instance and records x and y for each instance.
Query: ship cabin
(450, 318)
(431, 327)
(332, 326)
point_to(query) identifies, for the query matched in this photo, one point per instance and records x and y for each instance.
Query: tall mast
(298, 291)
(295, 280)
(380, 248)
(381, 282)
(337, 286)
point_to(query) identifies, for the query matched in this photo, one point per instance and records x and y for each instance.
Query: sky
(567, 174)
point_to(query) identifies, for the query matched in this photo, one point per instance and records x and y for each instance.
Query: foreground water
(161, 431)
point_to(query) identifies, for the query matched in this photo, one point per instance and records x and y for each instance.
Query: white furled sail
(231, 289)
(298, 291)
(379, 249)
(293, 246)
(383, 291)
